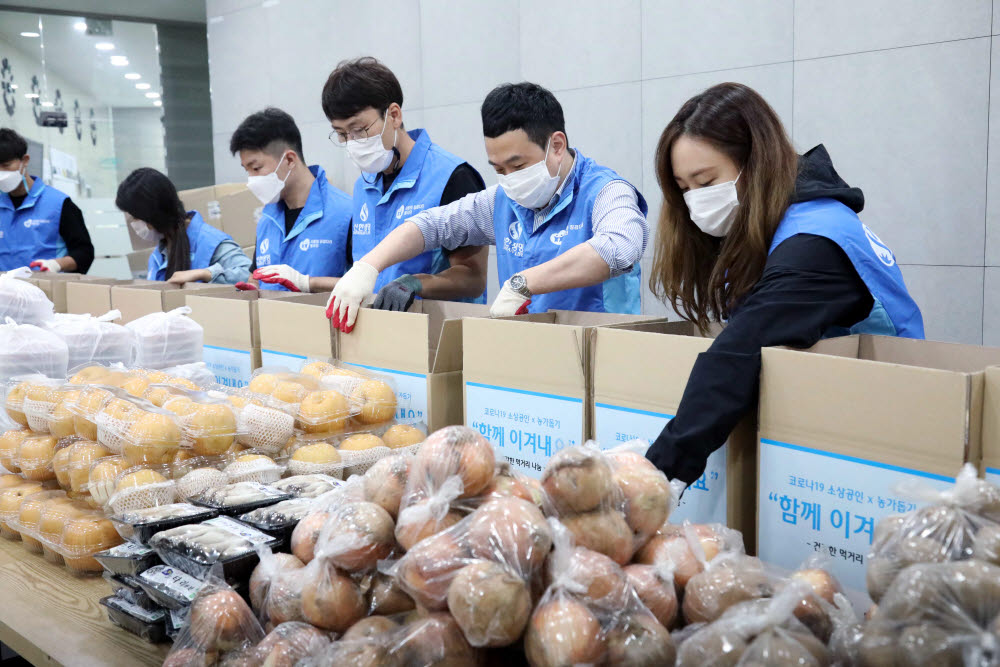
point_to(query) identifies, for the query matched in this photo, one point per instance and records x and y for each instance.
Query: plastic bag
(27, 349)
(94, 340)
(21, 301)
(221, 628)
(688, 548)
(649, 496)
(955, 524)
(167, 339)
(289, 642)
(937, 614)
(276, 588)
(356, 536)
(726, 580)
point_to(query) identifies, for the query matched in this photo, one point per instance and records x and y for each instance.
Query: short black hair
(12, 145)
(358, 84)
(522, 106)
(262, 130)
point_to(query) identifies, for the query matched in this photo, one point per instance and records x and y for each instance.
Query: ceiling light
(80, 26)
(104, 46)
(158, 103)
(152, 96)
(142, 86)
(13, 86)
(47, 104)
(119, 61)
(29, 34)
(31, 96)
(132, 76)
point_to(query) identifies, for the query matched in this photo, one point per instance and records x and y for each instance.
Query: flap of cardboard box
(991, 420)
(929, 354)
(384, 339)
(295, 323)
(90, 297)
(229, 320)
(907, 416)
(585, 319)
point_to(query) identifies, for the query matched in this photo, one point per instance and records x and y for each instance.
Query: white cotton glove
(348, 295)
(49, 265)
(282, 274)
(509, 302)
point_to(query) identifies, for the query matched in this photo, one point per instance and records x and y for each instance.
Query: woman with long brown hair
(769, 242)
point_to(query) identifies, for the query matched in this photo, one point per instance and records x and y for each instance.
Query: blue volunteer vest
(894, 313)
(202, 238)
(317, 243)
(520, 245)
(418, 186)
(32, 231)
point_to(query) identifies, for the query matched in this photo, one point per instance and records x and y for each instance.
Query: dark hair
(268, 130)
(148, 195)
(358, 84)
(522, 106)
(701, 276)
(12, 145)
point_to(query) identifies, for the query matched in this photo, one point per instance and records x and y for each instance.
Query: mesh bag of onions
(958, 523)
(591, 614)
(941, 614)
(222, 629)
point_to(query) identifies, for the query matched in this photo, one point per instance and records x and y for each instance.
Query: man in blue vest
(569, 232)
(402, 173)
(40, 226)
(302, 234)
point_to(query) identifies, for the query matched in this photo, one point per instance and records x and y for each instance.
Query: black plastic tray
(133, 565)
(139, 533)
(163, 597)
(237, 510)
(128, 588)
(235, 568)
(154, 632)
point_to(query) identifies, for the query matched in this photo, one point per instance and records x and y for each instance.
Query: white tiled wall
(898, 91)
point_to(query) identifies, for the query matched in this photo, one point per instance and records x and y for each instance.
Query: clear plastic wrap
(83, 536)
(21, 301)
(27, 349)
(688, 547)
(55, 516)
(221, 627)
(956, 524)
(239, 497)
(209, 421)
(141, 487)
(34, 396)
(307, 486)
(258, 468)
(195, 548)
(10, 442)
(169, 587)
(288, 643)
(355, 536)
(103, 476)
(649, 496)
(937, 614)
(150, 625)
(34, 457)
(127, 588)
(29, 514)
(94, 340)
(10, 506)
(331, 599)
(80, 456)
(281, 518)
(139, 525)
(167, 339)
(276, 587)
(726, 580)
(127, 559)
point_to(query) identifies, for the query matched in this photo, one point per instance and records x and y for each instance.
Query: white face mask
(369, 154)
(713, 209)
(531, 187)
(145, 231)
(268, 188)
(11, 180)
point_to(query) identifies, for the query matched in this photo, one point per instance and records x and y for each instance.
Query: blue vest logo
(399, 211)
(558, 237)
(35, 222)
(881, 250)
(364, 212)
(514, 230)
(264, 245)
(304, 245)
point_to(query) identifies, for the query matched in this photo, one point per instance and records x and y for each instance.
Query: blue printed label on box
(812, 501)
(993, 476)
(293, 362)
(705, 500)
(525, 427)
(411, 392)
(232, 368)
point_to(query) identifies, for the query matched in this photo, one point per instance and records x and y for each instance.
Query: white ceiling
(72, 55)
(192, 11)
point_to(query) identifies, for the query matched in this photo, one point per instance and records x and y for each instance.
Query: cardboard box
(91, 297)
(294, 330)
(136, 300)
(640, 372)
(841, 424)
(420, 350)
(138, 263)
(54, 286)
(991, 426)
(240, 211)
(527, 383)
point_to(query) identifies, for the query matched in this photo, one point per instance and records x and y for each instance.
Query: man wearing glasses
(402, 174)
(303, 235)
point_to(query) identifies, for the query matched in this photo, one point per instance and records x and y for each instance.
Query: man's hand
(399, 294)
(192, 276)
(348, 295)
(284, 275)
(509, 302)
(50, 265)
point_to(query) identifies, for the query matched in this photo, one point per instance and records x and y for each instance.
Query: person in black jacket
(768, 242)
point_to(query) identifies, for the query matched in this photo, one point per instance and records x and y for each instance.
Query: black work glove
(398, 295)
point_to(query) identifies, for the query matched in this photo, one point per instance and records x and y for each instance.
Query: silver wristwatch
(520, 285)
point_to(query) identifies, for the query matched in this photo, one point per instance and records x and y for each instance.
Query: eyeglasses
(339, 139)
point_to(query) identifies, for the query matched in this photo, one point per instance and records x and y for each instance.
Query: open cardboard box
(231, 321)
(991, 426)
(842, 423)
(54, 286)
(421, 351)
(139, 299)
(640, 372)
(93, 297)
(527, 383)
(294, 330)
